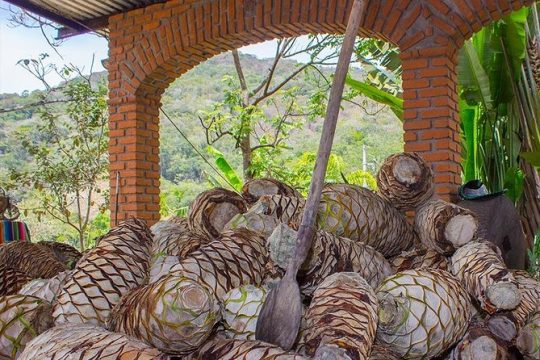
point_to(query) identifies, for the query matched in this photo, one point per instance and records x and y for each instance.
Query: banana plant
(499, 79)
(226, 175)
(372, 92)
(491, 127)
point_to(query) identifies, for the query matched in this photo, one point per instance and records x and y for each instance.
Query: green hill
(183, 172)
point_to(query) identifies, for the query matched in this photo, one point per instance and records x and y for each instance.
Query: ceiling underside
(80, 16)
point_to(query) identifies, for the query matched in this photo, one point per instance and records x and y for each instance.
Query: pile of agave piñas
(374, 286)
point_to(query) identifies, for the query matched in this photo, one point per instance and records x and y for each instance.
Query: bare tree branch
(267, 93)
(35, 104)
(241, 77)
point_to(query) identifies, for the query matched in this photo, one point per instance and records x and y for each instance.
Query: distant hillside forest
(184, 173)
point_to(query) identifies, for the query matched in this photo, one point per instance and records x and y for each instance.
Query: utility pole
(364, 162)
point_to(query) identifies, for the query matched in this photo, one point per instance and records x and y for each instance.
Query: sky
(17, 42)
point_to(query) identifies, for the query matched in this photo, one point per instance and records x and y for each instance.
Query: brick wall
(151, 47)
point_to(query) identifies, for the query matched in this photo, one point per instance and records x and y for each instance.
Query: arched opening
(150, 47)
(275, 93)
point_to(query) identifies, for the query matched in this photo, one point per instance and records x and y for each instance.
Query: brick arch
(152, 46)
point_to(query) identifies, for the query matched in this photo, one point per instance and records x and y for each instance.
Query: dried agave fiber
(287, 209)
(530, 296)
(161, 266)
(268, 212)
(528, 340)
(254, 189)
(174, 222)
(405, 180)
(213, 209)
(175, 315)
(64, 253)
(506, 324)
(230, 349)
(359, 214)
(418, 259)
(443, 226)
(87, 342)
(485, 276)
(116, 265)
(177, 241)
(342, 314)
(21, 319)
(381, 352)
(11, 280)
(237, 258)
(329, 254)
(241, 308)
(479, 343)
(422, 313)
(21, 255)
(46, 289)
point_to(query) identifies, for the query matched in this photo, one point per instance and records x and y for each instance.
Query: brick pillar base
(431, 114)
(134, 155)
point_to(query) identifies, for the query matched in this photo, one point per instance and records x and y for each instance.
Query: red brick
(443, 178)
(416, 124)
(430, 92)
(151, 46)
(410, 114)
(437, 156)
(409, 136)
(418, 146)
(408, 104)
(415, 84)
(436, 134)
(414, 64)
(435, 113)
(433, 72)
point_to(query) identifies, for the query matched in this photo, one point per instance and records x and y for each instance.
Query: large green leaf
(532, 157)
(473, 76)
(470, 138)
(395, 103)
(514, 182)
(225, 168)
(514, 38)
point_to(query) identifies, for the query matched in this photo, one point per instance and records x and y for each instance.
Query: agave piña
(87, 342)
(118, 264)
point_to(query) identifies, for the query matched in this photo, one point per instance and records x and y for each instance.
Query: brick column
(431, 114)
(134, 154)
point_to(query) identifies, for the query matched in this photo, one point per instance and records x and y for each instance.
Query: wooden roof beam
(74, 27)
(90, 25)
(43, 12)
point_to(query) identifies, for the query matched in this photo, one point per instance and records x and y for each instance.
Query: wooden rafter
(71, 26)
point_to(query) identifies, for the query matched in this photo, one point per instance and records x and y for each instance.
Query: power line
(196, 150)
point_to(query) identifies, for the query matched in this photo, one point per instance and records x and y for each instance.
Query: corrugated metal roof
(80, 15)
(84, 10)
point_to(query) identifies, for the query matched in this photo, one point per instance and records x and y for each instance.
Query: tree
(68, 154)
(258, 113)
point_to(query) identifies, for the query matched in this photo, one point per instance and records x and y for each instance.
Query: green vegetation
(67, 159)
(534, 257)
(184, 174)
(490, 119)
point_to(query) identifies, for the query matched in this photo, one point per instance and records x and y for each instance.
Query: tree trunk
(529, 206)
(245, 147)
(81, 240)
(245, 141)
